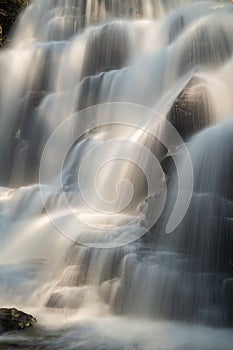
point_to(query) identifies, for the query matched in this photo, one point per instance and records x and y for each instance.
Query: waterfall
(116, 173)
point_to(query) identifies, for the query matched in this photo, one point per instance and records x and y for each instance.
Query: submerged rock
(13, 319)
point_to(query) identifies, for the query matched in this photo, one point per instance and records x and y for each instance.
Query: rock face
(190, 112)
(228, 298)
(107, 49)
(208, 44)
(13, 319)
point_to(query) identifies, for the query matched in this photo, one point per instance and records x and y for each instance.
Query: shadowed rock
(176, 28)
(13, 319)
(107, 49)
(208, 45)
(190, 112)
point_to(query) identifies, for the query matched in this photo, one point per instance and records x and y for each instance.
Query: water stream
(116, 197)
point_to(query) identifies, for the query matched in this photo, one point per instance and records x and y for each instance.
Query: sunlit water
(85, 270)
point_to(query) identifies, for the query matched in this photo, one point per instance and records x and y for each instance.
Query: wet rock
(215, 317)
(123, 8)
(13, 319)
(190, 112)
(228, 291)
(208, 238)
(59, 301)
(90, 91)
(107, 49)
(207, 45)
(73, 276)
(113, 293)
(33, 99)
(68, 298)
(176, 27)
(63, 28)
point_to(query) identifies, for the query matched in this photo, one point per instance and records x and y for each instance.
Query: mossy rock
(13, 319)
(9, 12)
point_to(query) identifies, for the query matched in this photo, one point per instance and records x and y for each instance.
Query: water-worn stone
(13, 319)
(190, 112)
(107, 49)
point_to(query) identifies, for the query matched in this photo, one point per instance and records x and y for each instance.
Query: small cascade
(116, 170)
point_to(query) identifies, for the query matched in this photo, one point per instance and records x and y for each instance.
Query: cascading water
(115, 131)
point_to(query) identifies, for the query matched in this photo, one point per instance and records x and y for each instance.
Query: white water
(161, 291)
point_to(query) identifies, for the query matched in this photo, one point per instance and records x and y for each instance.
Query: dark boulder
(13, 319)
(190, 111)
